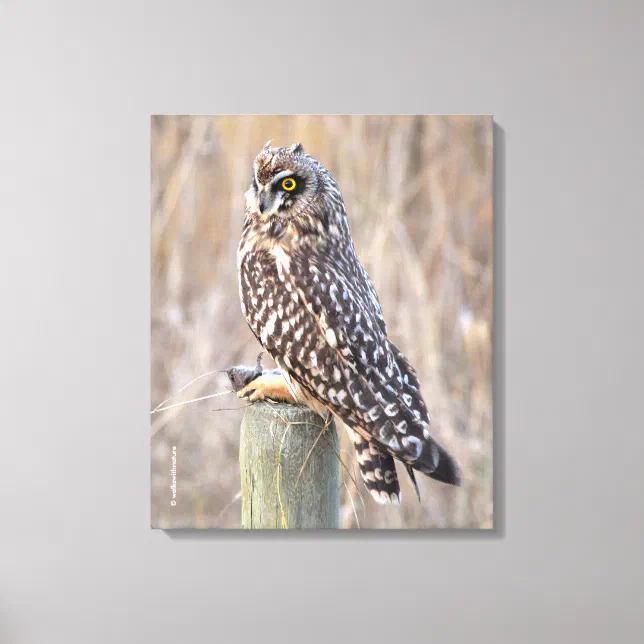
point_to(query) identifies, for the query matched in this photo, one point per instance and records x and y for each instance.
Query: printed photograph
(321, 322)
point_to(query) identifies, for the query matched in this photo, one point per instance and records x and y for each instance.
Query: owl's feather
(378, 470)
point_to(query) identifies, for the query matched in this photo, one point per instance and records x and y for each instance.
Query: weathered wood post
(290, 471)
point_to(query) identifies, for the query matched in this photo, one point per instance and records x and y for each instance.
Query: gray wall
(78, 562)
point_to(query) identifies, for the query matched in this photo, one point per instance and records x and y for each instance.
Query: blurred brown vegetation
(418, 192)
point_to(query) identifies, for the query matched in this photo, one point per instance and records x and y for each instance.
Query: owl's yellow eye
(289, 184)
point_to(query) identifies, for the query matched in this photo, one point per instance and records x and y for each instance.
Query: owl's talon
(246, 392)
(269, 386)
(254, 391)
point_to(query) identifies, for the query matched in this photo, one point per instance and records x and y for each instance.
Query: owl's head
(286, 181)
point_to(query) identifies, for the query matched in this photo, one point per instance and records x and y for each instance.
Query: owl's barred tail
(378, 470)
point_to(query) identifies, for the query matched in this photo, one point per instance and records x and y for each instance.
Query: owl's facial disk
(277, 196)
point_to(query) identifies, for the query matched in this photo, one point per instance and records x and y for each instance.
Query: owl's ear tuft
(267, 146)
(296, 148)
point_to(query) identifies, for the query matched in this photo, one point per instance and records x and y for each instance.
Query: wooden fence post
(290, 471)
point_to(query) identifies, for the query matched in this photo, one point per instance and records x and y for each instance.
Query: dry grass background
(418, 192)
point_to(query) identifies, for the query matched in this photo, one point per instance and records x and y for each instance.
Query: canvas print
(322, 320)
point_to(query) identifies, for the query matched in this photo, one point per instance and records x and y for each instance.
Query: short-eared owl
(311, 304)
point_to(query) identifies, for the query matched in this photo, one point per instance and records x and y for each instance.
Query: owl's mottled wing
(321, 321)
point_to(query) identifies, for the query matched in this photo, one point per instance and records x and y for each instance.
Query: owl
(312, 306)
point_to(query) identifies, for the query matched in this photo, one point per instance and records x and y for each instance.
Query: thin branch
(306, 460)
(187, 402)
(353, 505)
(228, 506)
(279, 476)
(176, 393)
(351, 476)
